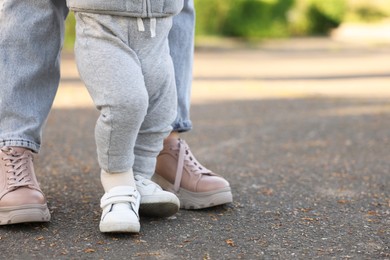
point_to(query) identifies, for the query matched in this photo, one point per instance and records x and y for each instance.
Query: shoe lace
(17, 168)
(187, 159)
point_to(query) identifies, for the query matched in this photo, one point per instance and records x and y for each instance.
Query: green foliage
(369, 14)
(368, 11)
(316, 17)
(211, 16)
(243, 18)
(325, 15)
(257, 19)
(70, 27)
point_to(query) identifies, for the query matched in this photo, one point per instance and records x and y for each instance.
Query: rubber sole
(158, 209)
(119, 227)
(196, 200)
(24, 214)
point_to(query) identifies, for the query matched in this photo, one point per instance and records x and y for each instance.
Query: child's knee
(129, 109)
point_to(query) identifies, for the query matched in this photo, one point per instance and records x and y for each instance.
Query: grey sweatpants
(130, 77)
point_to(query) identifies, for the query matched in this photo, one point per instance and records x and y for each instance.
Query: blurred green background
(254, 20)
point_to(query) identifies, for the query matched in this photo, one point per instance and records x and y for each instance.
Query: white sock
(111, 180)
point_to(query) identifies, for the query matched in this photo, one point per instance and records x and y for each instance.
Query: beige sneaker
(21, 199)
(179, 172)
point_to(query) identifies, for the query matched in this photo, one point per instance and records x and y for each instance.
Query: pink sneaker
(179, 172)
(21, 199)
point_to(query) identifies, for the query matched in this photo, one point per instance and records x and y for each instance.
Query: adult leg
(181, 44)
(31, 34)
(31, 37)
(177, 169)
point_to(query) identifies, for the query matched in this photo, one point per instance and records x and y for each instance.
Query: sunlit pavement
(277, 69)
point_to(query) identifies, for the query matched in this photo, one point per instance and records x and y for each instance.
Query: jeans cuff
(20, 143)
(183, 126)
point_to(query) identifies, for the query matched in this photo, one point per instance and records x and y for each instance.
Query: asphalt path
(300, 128)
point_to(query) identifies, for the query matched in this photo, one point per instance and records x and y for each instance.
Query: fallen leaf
(373, 213)
(309, 219)
(214, 218)
(86, 169)
(230, 242)
(267, 191)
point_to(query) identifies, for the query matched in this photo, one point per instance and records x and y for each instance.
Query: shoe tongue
(18, 150)
(172, 142)
(121, 206)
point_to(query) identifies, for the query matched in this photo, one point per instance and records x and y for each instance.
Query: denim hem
(20, 143)
(182, 126)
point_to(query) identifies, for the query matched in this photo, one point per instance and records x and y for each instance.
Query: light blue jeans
(181, 43)
(31, 36)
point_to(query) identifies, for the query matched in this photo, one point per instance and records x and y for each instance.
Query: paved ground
(299, 128)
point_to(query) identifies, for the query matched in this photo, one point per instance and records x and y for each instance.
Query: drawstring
(140, 23)
(153, 25)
